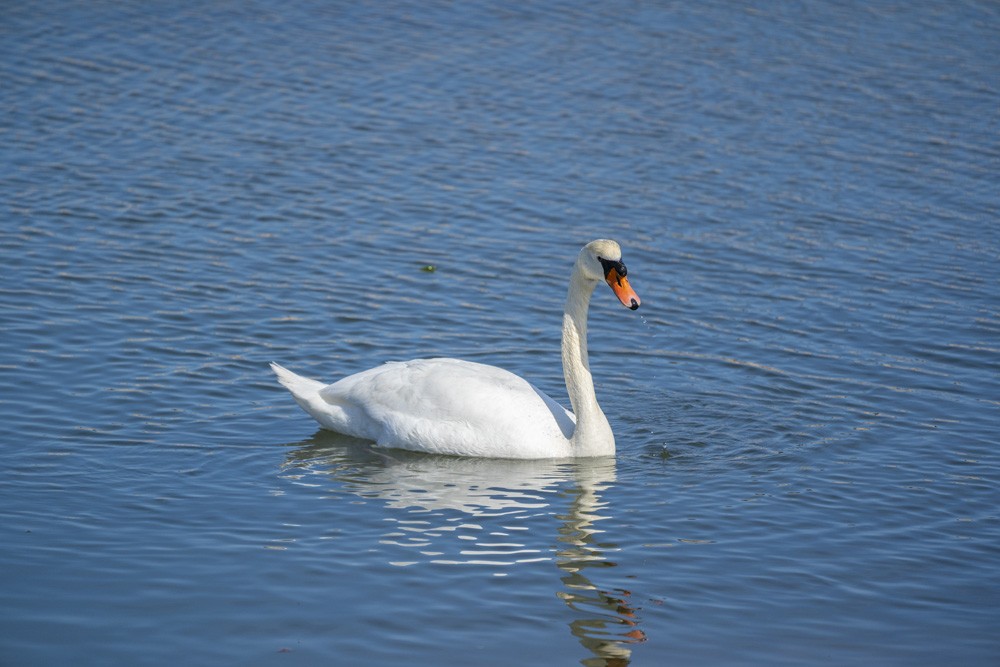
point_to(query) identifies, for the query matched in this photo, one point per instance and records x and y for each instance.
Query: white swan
(450, 406)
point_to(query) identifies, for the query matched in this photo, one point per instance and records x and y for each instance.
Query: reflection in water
(455, 510)
(607, 622)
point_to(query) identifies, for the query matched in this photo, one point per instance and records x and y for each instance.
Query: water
(806, 410)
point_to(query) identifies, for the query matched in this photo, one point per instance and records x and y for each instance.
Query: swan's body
(446, 406)
(450, 406)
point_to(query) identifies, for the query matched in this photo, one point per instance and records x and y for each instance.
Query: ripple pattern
(806, 406)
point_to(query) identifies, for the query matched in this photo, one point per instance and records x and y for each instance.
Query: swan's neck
(592, 436)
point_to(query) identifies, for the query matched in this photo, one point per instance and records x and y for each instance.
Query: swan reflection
(607, 621)
(450, 510)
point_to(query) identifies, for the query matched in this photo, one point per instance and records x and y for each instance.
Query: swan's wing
(450, 406)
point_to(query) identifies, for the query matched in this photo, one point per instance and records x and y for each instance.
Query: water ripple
(806, 410)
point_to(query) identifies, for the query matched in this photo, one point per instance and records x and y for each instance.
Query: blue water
(807, 405)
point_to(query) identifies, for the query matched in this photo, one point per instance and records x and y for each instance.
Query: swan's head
(602, 260)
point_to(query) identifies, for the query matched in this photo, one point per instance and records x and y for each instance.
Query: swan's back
(448, 406)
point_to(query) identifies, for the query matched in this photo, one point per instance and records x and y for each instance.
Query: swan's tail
(304, 391)
(331, 413)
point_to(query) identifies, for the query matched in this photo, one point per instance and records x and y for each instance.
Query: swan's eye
(611, 264)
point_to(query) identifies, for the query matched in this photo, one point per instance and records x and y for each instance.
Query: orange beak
(619, 285)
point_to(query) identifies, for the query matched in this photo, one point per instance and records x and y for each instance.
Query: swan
(463, 408)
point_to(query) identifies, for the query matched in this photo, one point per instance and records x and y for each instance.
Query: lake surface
(807, 405)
